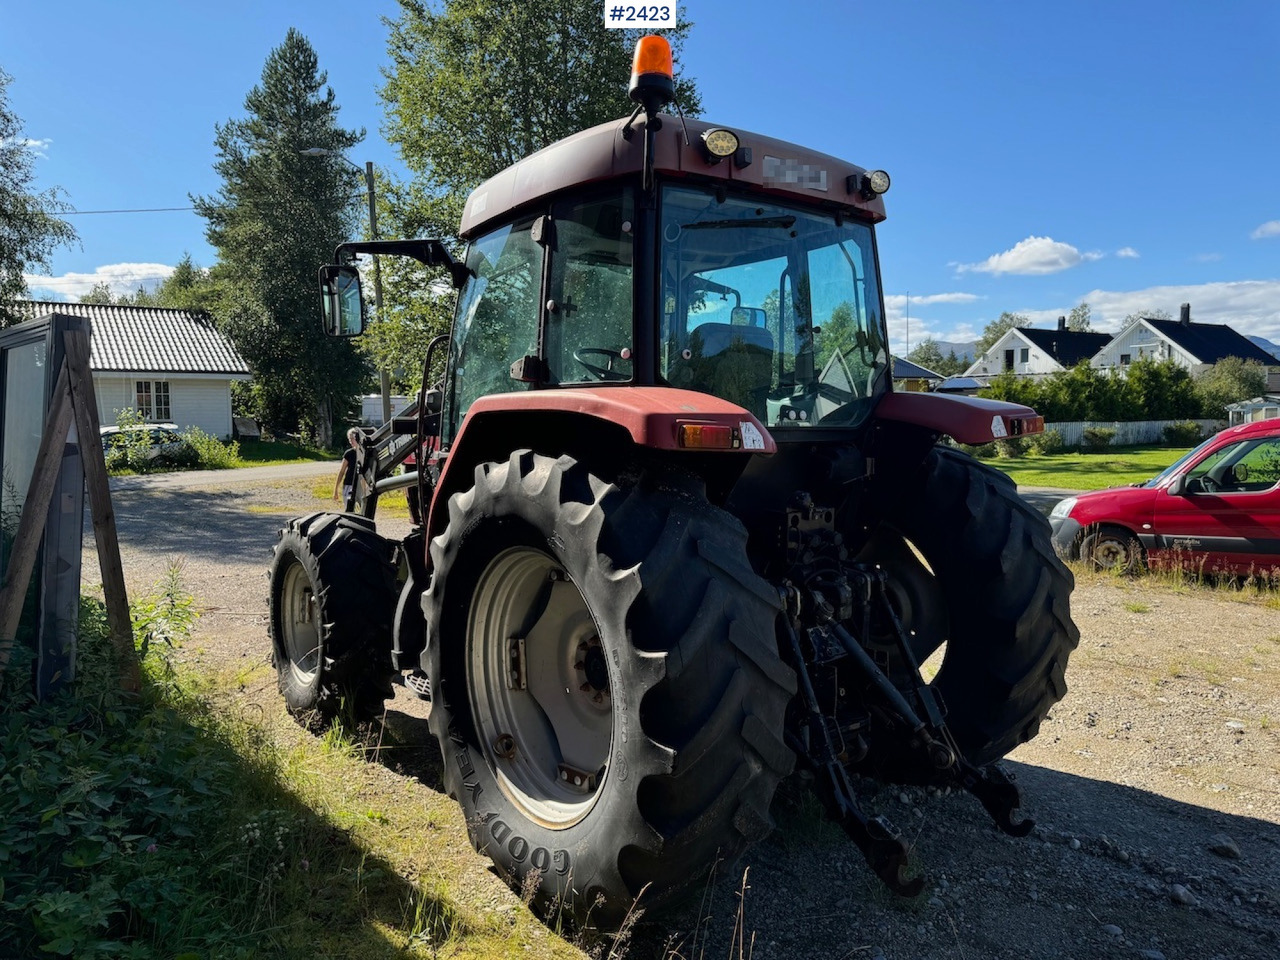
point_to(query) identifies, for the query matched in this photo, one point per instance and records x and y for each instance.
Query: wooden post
(76, 345)
(35, 511)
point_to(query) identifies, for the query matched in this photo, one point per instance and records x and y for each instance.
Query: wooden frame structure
(72, 399)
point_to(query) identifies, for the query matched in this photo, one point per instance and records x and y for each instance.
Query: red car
(1217, 510)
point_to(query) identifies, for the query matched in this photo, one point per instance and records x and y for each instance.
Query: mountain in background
(1263, 342)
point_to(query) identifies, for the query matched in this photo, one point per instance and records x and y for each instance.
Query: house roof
(1210, 342)
(129, 339)
(961, 383)
(906, 370)
(1068, 347)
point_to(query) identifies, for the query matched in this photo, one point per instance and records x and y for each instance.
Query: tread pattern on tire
(354, 580)
(690, 628)
(1008, 595)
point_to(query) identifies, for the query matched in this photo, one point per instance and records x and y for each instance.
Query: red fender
(973, 420)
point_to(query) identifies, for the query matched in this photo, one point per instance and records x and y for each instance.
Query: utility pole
(383, 376)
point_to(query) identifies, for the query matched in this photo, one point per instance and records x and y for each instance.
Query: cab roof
(602, 153)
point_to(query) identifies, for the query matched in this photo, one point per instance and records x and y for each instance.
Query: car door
(1227, 517)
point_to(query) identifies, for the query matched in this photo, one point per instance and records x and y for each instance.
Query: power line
(70, 213)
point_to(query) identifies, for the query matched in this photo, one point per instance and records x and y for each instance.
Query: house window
(1008, 359)
(1124, 359)
(1026, 354)
(153, 399)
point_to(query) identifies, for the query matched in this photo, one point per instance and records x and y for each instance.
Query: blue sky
(1123, 153)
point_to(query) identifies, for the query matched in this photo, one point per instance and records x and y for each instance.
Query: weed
(1137, 606)
(1264, 722)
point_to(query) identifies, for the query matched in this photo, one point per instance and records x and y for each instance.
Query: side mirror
(341, 300)
(1177, 486)
(432, 400)
(747, 317)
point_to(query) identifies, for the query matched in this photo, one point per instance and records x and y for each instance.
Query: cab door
(1227, 517)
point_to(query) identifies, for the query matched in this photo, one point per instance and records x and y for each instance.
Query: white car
(166, 443)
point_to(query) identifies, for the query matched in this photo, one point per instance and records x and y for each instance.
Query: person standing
(349, 471)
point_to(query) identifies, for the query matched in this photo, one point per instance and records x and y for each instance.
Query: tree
(474, 86)
(1155, 313)
(1080, 319)
(277, 216)
(30, 229)
(100, 292)
(929, 355)
(1228, 381)
(997, 328)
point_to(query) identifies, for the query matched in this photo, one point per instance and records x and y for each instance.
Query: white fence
(1127, 432)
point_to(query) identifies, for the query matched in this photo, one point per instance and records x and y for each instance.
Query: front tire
(1112, 550)
(607, 692)
(333, 594)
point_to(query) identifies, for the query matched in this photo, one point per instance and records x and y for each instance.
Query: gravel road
(1155, 785)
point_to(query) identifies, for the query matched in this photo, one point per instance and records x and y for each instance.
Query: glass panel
(497, 320)
(24, 413)
(144, 398)
(162, 400)
(589, 334)
(1258, 467)
(771, 307)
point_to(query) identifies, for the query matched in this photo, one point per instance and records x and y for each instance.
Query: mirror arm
(432, 253)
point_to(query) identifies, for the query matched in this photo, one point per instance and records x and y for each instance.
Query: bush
(1184, 434)
(1097, 438)
(1010, 448)
(1045, 443)
(983, 451)
(210, 453)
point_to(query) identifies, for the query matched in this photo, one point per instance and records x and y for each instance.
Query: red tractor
(680, 535)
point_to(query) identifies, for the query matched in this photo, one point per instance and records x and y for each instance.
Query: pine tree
(277, 216)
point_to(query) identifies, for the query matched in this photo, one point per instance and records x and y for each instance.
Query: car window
(1258, 466)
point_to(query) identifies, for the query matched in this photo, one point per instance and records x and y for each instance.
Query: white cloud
(1030, 257)
(120, 277)
(1208, 257)
(38, 147)
(1269, 229)
(1128, 253)
(1247, 306)
(897, 301)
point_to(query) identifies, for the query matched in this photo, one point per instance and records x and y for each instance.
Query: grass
(178, 824)
(274, 453)
(1136, 606)
(1089, 471)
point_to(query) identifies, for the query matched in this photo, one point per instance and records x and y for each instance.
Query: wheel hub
(539, 686)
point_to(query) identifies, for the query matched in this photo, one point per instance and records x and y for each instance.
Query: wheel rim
(1111, 553)
(539, 686)
(298, 624)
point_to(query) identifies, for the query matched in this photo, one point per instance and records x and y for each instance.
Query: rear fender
(972, 420)
(610, 428)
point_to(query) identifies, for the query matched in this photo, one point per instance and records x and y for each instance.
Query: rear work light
(708, 436)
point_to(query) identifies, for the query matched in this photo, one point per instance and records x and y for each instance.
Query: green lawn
(1089, 471)
(273, 453)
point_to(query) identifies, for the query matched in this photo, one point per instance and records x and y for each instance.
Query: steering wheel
(602, 373)
(1209, 485)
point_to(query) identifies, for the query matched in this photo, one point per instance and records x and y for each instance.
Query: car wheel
(1113, 549)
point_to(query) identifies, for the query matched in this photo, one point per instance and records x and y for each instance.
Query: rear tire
(1008, 627)
(649, 665)
(333, 595)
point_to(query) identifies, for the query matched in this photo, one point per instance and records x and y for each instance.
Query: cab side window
(497, 319)
(588, 337)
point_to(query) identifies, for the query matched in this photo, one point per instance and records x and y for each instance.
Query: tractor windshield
(771, 307)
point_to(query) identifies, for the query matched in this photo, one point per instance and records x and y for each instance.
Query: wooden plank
(76, 344)
(35, 512)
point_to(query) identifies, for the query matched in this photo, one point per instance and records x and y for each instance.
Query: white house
(1031, 351)
(170, 365)
(1196, 346)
